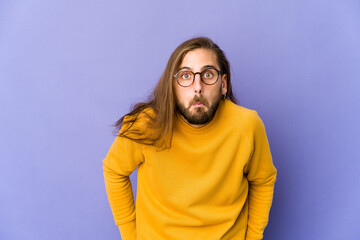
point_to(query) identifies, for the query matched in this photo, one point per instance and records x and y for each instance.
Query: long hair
(159, 110)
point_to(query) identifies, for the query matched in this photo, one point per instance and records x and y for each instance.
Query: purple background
(69, 69)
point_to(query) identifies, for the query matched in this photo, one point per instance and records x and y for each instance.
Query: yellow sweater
(215, 182)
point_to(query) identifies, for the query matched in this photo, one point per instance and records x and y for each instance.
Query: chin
(201, 110)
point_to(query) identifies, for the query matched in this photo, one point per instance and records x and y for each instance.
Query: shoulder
(239, 113)
(242, 117)
(138, 123)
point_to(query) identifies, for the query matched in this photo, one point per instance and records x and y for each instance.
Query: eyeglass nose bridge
(195, 76)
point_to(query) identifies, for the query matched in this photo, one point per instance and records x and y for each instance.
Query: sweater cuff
(128, 230)
(251, 238)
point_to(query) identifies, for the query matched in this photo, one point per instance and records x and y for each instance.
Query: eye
(185, 75)
(208, 74)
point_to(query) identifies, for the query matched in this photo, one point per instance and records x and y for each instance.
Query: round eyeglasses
(209, 76)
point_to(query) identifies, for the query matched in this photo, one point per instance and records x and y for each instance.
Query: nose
(198, 83)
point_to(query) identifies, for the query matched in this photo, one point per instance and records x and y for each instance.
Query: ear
(223, 84)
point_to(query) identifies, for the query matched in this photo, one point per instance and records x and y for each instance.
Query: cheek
(213, 94)
(184, 98)
(180, 95)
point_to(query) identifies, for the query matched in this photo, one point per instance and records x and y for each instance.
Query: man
(205, 167)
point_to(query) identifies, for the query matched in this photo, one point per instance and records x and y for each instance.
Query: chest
(198, 165)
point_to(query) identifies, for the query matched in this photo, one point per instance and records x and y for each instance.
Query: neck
(192, 125)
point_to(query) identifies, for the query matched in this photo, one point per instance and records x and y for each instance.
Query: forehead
(198, 58)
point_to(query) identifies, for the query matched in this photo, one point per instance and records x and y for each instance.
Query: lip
(198, 104)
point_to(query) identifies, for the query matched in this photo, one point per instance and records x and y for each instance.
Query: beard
(199, 115)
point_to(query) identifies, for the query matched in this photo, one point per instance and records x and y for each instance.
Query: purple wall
(69, 69)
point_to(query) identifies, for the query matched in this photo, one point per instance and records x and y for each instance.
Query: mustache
(201, 99)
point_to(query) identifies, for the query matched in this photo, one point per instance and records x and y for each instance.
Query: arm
(261, 175)
(122, 159)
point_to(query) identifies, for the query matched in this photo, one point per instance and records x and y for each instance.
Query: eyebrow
(204, 67)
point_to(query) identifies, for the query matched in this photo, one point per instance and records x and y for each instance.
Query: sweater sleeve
(261, 175)
(122, 159)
